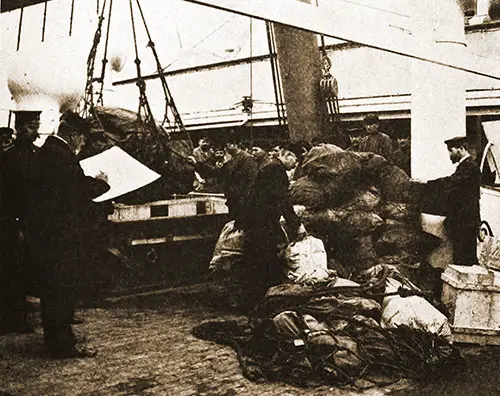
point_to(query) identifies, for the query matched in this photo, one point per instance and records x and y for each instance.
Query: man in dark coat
(268, 200)
(60, 224)
(16, 166)
(235, 178)
(460, 192)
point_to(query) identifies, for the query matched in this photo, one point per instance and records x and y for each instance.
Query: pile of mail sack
(341, 333)
(362, 207)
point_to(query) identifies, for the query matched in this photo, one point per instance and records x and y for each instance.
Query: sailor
(15, 269)
(60, 226)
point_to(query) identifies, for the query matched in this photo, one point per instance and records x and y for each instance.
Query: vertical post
(300, 68)
(438, 93)
(437, 105)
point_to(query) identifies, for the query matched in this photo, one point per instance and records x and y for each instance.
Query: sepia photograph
(250, 197)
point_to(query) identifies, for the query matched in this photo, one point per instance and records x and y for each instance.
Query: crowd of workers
(50, 225)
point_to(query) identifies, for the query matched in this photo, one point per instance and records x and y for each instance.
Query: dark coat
(235, 178)
(16, 166)
(461, 192)
(269, 196)
(62, 218)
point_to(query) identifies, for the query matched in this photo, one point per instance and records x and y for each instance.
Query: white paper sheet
(125, 173)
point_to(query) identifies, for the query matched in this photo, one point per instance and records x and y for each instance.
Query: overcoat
(62, 220)
(460, 192)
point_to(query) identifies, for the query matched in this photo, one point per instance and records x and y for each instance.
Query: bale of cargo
(394, 211)
(307, 192)
(327, 161)
(371, 163)
(393, 240)
(361, 223)
(394, 184)
(365, 255)
(365, 200)
(151, 145)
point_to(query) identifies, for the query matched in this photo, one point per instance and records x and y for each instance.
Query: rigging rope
(71, 17)
(44, 21)
(104, 59)
(169, 101)
(20, 27)
(278, 94)
(251, 79)
(88, 100)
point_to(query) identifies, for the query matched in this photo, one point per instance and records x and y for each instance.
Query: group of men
(48, 228)
(256, 185)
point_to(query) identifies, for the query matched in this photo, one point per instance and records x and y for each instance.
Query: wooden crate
(167, 242)
(172, 208)
(472, 296)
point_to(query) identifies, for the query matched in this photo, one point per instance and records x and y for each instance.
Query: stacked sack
(360, 206)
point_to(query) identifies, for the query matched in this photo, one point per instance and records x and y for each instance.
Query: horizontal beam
(195, 69)
(351, 23)
(11, 5)
(221, 65)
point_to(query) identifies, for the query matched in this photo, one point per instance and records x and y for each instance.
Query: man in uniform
(460, 192)
(16, 168)
(60, 223)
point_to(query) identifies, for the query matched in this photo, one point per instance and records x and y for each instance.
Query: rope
(278, 94)
(88, 100)
(20, 27)
(104, 59)
(71, 17)
(169, 101)
(251, 79)
(44, 21)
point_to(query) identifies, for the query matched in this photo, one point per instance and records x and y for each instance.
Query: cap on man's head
(25, 116)
(457, 141)
(371, 119)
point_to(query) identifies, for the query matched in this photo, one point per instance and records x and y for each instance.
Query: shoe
(77, 352)
(76, 320)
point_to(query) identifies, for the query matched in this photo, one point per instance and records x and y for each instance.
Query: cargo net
(163, 147)
(327, 335)
(163, 153)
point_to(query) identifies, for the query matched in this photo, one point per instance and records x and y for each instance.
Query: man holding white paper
(62, 223)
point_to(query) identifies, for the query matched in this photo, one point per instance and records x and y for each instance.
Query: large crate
(472, 296)
(167, 242)
(172, 208)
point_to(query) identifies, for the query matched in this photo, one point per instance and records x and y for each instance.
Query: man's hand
(301, 232)
(101, 176)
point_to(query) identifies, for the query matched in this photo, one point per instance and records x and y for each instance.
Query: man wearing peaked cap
(461, 192)
(15, 267)
(62, 221)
